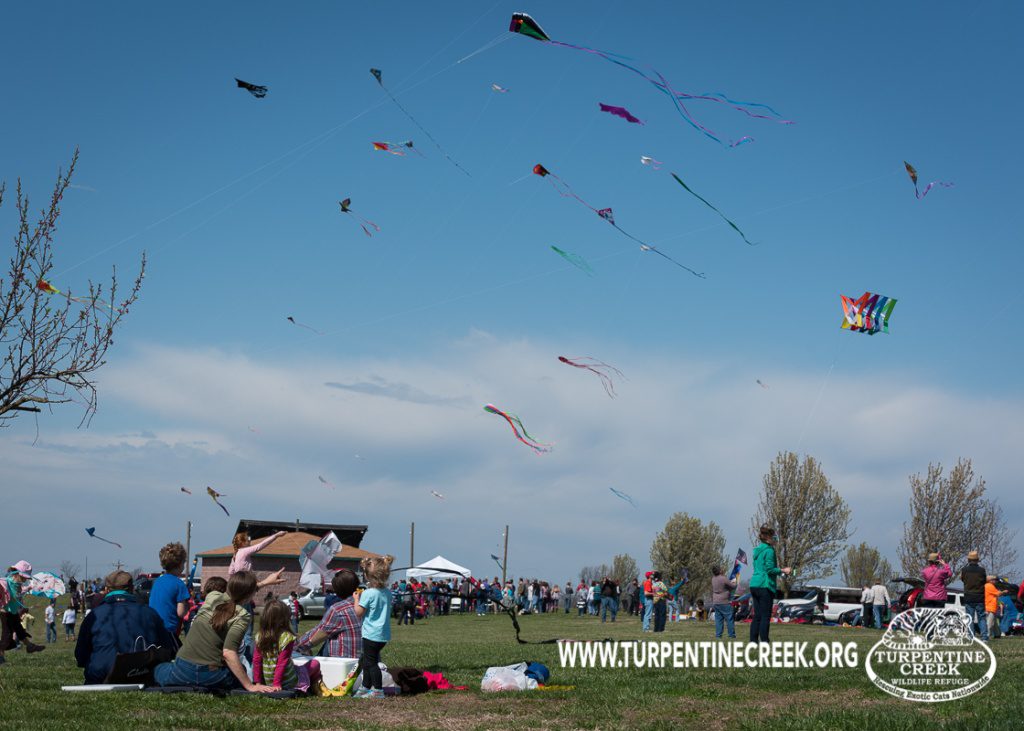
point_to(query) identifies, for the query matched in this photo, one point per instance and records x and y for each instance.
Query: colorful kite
(623, 496)
(43, 286)
(436, 494)
(293, 321)
(645, 247)
(577, 261)
(527, 26)
(395, 148)
(644, 160)
(214, 495)
(619, 112)
(705, 202)
(741, 558)
(495, 87)
(870, 313)
(913, 179)
(257, 91)
(314, 558)
(603, 371)
(92, 534)
(519, 430)
(46, 584)
(378, 74)
(186, 490)
(346, 207)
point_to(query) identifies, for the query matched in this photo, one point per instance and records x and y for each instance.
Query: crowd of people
(210, 639)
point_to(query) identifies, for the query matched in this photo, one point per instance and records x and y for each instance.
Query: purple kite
(602, 370)
(913, 179)
(620, 112)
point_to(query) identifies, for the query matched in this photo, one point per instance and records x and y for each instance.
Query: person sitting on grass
(339, 633)
(209, 656)
(272, 652)
(115, 626)
(169, 595)
(374, 609)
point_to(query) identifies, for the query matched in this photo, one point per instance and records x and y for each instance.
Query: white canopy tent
(437, 567)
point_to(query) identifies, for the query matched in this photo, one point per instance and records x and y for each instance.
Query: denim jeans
(648, 613)
(182, 672)
(295, 626)
(51, 631)
(723, 619)
(976, 611)
(660, 613)
(608, 604)
(878, 609)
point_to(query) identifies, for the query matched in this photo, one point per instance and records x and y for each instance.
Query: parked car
(909, 598)
(832, 602)
(311, 604)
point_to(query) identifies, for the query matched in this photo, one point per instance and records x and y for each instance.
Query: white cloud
(683, 435)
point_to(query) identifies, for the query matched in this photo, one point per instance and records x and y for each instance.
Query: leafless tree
(51, 341)
(69, 569)
(687, 545)
(809, 516)
(950, 515)
(590, 574)
(863, 565)
(624, 569)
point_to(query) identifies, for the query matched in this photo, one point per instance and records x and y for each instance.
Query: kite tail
(422, 129)
(931, 185)
(708, 204)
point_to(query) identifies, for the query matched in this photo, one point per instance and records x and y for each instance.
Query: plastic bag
(510, 677)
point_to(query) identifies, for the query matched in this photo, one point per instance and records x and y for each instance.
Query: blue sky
(459, 301)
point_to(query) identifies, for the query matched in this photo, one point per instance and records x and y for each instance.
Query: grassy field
(464, 646)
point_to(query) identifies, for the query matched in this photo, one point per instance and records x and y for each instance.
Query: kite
(395, 148)
(913, 179)
(314, 559)
(495, 87)
(577, 261)
(293, 321)
(619, 112)
(92, 534)
(186, 491)
(253, 429)
(498, 561)
(214, 495)
(870, 313)
(43, 286)
(597, 367)
(378, 74)
(525, 25)
(741, 558)
(645, 247)
(623, 496)
(705, 202)
(346, 207)
(644, 160)
(606, 213)
(436, 494)
(741, 141)
(325, 481)
(762, 385)
(257, 91)
(46, 584)
(519, 430)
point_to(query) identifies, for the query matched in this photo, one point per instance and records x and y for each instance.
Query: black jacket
(973, 577)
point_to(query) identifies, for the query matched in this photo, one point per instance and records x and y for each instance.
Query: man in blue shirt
(169, 595)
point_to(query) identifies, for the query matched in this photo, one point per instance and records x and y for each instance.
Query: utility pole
(412, 544)
(188, 544)
(504, 559)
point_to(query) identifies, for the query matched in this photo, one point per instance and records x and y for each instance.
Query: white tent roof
(430, 569)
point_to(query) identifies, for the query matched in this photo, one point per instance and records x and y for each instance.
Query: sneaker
(30, 647)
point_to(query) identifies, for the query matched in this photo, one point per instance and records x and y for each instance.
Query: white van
(833, 600)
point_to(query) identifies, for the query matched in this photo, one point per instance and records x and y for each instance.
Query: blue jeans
(51, 631)
(877, 611)
(977, 614)
(723, 619)
(182, 672)
(608, 604)
(295, 626)
(648, 613)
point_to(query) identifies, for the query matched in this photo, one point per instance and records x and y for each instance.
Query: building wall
(263, 566)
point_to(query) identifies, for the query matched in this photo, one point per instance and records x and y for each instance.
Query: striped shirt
(277, 670)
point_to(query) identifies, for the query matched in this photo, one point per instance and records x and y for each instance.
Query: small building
(284, 552)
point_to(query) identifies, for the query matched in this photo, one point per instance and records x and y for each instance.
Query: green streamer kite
(705, 202)
(575, 259)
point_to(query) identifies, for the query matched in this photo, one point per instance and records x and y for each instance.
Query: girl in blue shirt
(374, 609)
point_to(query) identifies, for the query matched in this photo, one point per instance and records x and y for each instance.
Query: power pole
(504, 559)
(412, 544)
(188, 544)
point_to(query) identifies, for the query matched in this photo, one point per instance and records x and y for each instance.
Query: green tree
(687, 544)
(809, 516)
(863, 565)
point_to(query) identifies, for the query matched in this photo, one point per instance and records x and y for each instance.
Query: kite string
(496, 41)
(821, 390)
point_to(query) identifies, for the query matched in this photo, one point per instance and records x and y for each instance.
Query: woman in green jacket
(762, 584)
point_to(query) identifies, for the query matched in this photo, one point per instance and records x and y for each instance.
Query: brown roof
(289, 546)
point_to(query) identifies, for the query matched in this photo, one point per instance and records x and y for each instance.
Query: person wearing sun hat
(936, 575)
(973, 576)
(12, 587)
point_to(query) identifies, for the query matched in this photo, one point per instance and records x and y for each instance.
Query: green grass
(464, 646)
